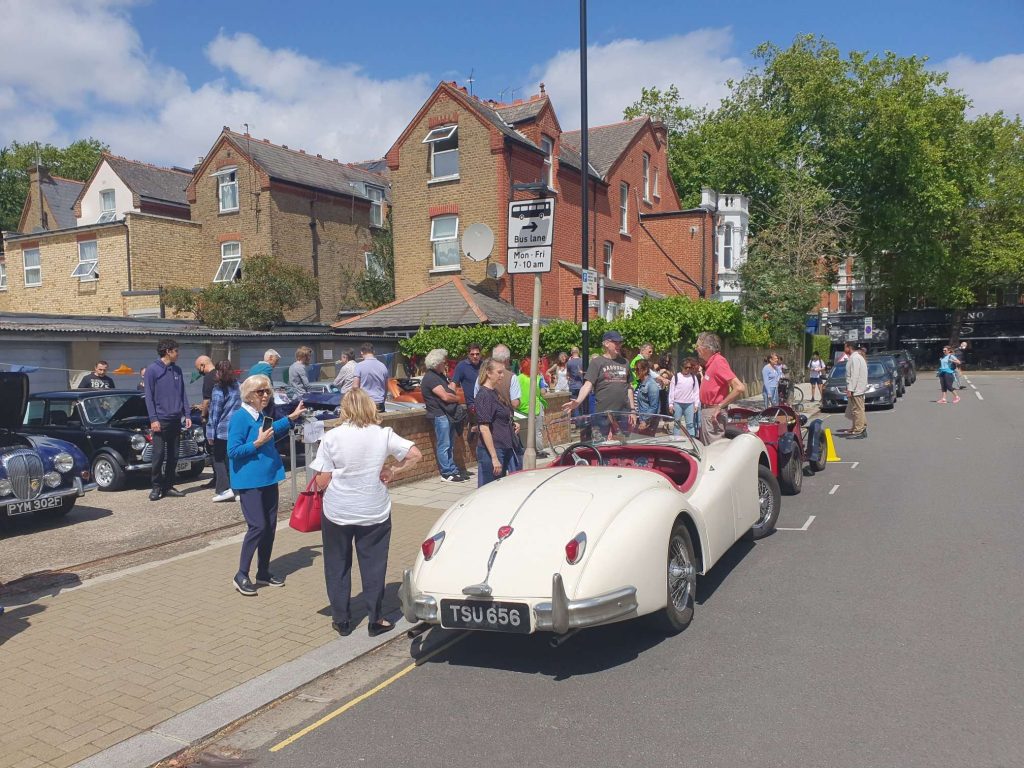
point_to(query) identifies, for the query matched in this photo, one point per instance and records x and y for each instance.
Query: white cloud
(698, 63)
(103, 83)
(991, 85)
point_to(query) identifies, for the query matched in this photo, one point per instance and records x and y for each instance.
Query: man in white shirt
(856, 387)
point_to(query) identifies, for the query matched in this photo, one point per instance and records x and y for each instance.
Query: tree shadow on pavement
(296, 561)
(589, 651)
(15, 620)
(707, 585)
(36, 585)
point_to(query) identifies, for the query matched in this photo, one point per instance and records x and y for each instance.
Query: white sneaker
(227, 495)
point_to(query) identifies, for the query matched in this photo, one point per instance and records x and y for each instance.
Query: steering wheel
(577, 459)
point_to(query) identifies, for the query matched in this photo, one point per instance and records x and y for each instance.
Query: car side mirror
(803, 419)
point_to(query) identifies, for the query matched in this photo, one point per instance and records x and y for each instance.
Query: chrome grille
(187, 448)
(25, 471)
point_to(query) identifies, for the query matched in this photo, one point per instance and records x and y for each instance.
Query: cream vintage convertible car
(619, 526)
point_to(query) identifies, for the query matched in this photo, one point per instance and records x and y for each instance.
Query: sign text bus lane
(527, 260)
(531, 223)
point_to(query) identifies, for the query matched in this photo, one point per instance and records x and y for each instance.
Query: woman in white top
(357, 508)
(559, 373)
(684, 396)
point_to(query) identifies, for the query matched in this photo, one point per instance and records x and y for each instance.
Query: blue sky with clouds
(157, 79)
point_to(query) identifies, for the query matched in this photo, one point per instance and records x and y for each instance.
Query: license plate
(183, 466)
(24, 507)
(488, 615)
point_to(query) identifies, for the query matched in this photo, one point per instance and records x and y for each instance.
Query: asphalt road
(888, 632)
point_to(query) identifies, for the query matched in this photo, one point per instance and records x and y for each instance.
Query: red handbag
(308, 509)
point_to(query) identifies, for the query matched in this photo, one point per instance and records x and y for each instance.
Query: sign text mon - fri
(531, 229)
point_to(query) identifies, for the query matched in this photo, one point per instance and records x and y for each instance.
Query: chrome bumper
(199, 457)
(559, 615)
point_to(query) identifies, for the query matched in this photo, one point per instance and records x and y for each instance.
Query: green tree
(792, 259)
(268, 288)
(75, 161)
(376, 285)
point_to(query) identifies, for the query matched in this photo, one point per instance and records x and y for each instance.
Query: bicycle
(790, 394)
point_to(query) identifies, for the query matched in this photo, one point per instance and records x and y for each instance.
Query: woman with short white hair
(256, 469)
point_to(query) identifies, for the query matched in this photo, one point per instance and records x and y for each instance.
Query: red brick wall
(671, 235)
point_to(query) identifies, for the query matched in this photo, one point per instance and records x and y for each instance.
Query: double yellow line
(363, 697)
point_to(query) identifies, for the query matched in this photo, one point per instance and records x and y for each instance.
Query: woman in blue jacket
(256, 469)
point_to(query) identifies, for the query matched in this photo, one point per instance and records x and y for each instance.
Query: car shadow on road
(585, 653)
(708, 585)
(23, 525)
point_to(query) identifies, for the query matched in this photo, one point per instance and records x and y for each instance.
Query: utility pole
(584, 182)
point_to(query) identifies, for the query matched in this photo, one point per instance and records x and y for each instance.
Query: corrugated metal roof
(607, 142)
(150, 181)
(449, 303)
(309, 170)
(132, 326)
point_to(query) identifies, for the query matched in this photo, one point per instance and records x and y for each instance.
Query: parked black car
(111, 428)
(37, 473)
(881, 388)
(906, 363)
(893, 367)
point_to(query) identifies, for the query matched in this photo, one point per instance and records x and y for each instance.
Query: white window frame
(3, 276)
(230, 263)
(647, 177)
(548, 145)
(107, 214)
(87, 271)
(727, 246)
(37, 268)
(226, 177)
(376, 205)
(657, 183)
(373, 265)
(624, 208)
(609, 253)
(434, 240)
(436, 136)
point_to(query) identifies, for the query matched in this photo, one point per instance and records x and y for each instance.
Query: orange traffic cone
(830, 447)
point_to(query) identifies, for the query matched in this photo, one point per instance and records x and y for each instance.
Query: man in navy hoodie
(168, 409)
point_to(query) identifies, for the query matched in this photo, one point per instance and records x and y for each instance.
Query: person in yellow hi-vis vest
(522, 412)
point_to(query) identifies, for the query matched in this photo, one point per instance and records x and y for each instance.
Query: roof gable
(450, 302)
(607, 142)
(150, 182)
(60, 196)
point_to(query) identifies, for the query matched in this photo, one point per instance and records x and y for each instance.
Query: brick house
(459, 160)
(108, 246)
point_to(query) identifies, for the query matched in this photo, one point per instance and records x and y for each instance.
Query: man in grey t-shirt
(371, 375)
(608, 378)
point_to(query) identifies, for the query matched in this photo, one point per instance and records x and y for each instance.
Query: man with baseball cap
(608, 377)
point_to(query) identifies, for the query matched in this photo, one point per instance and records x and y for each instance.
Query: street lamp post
(584, 181)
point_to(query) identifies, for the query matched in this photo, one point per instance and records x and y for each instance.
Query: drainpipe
(128, 250)
(316, 257)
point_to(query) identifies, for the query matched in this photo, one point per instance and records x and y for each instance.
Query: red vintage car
(791, 441)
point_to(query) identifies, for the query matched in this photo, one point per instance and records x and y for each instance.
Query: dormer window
(444, 152)
(227, 189)
(548, 146)
(107, 211)
(376, 195)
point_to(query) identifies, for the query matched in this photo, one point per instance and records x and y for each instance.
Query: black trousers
(165, 454)
(222, 477)
(371, 544)
(259, 505)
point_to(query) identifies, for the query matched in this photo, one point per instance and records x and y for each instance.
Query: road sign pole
(585, 179)
(530, 456)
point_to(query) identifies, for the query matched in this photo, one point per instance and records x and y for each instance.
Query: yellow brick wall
(475, 192)
(168, 252)
(343, 235)
(251, 221)
(60, 293)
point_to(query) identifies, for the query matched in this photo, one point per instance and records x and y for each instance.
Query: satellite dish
(494, 271)
(477, 242)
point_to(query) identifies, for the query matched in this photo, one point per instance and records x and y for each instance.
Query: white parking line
(802, 529)
(853, 464)
(833, 491)
(979, 395)
(974, 387)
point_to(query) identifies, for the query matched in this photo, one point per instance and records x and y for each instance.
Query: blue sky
(157, 79)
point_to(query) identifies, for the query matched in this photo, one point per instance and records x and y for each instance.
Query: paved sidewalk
(98, 664)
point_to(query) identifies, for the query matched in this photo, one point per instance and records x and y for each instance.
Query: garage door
(50, 359)
(137, 356)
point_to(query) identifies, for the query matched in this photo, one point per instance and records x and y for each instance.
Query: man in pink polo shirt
(719, 387)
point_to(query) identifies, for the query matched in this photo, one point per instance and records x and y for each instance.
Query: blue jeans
(443, 433)
(485, 470)
(687, 414)
(771, 397)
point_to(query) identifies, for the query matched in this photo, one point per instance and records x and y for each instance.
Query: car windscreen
(877, 371)
(619, 428)
(106, 408)
(838, 372)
